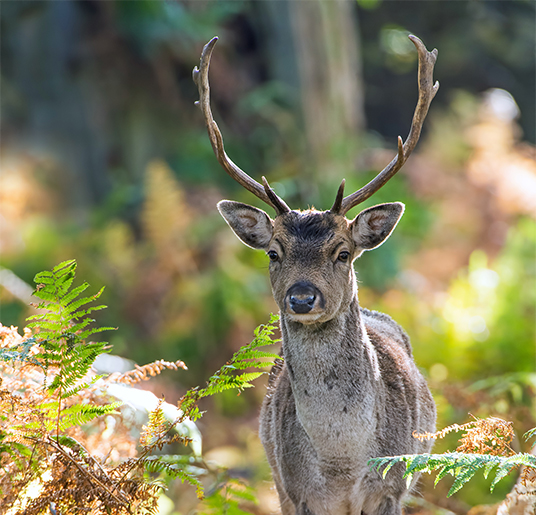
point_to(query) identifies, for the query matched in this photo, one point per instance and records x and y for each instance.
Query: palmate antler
(427, 91)
(264, 192)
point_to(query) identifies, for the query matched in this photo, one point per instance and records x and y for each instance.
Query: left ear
(374, 225)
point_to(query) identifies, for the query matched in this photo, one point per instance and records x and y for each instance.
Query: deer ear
(374, 225)
(253, 226)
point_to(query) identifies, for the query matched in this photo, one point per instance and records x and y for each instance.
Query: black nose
(301, 297)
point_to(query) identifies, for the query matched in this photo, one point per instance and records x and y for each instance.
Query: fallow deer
(348, 388)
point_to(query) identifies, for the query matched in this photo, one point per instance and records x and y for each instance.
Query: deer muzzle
(302, 297)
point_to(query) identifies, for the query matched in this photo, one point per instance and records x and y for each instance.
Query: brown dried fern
(48, 463)
(42, 472)
(145, 372)
(490, 435)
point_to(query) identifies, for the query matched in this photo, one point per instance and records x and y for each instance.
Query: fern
(157, 433)
(460, 465)
(63, 328)
(529, 434)
(54, 393)
(226, 377)
(463, 465)
(175, 467)
(227, 497)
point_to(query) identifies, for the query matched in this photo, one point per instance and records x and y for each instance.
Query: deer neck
(333, 370)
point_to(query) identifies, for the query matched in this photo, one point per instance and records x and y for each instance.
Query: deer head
(312, 252)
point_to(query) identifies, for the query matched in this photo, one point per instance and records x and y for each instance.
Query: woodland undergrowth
(66, 446)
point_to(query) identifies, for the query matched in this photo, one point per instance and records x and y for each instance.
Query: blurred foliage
(105, 159)
(227, 497)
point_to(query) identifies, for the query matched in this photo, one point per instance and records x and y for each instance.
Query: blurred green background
(105, 159)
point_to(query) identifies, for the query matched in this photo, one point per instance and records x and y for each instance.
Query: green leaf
(250, 376)
(502, 471)
(462, 466)
(417, 463)
(64, 343)
(75, 292)
(65, 266)
(488, 467)
(460, 479)
(78, 415)
(529, 434)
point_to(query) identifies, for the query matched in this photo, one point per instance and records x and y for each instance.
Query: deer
(347, 388)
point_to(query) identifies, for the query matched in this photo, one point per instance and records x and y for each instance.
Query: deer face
(311, 253)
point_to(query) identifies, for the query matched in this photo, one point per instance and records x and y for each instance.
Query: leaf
(502, 471)
(75, 292)
(529, 434)
(488, 467)
(161, 465)
(415, 464)
(78, 415)
(250, 376)
(462, 477)
(80, 387)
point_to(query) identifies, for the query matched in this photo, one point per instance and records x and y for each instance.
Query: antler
(427, 91)
(264, 192)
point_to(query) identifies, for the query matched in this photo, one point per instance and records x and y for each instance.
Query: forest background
(105, 159)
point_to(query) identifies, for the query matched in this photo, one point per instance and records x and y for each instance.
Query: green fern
(530, 434)
(59, 348)
(227, 378)
(227, 497)
(63, 328)
(62, 331)
(175, 467)
(230, 376)
(460, 465)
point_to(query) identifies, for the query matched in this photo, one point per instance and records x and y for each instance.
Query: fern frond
(71, 305)
(70, 416)
(74, 366)
(75, 315)
(81, 387)
(226, 378)
(90, 332)
(461, 465)
(77, 415)
(63, 268)
(145, 372)
(490, 435)
(229, 497)
(75, 292)
(529, 434)
(157, 428)
(174, 466)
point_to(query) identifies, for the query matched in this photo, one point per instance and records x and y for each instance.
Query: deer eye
(272, 254)
(344, 256)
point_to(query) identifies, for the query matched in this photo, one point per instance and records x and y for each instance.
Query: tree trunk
(329, 66)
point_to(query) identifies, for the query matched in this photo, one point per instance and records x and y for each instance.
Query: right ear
(253, 226)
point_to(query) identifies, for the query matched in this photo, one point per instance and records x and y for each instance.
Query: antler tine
(427, 91)
(275, 201)
(200, 76)
(339, 198)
